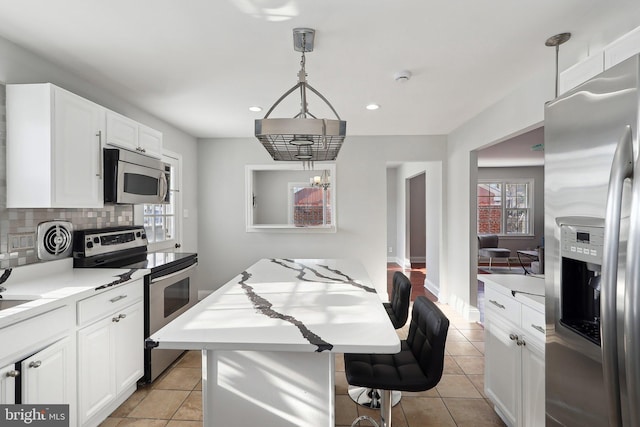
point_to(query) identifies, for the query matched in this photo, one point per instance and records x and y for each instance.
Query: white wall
(21, 66)
(361, 206)
(521, 111)
(434, 227)
(392, 197)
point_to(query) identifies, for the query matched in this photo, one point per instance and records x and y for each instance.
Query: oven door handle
(169, 276)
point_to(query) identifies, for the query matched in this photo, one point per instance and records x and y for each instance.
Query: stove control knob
(144, 236)
(138, 234)
(96, 240)
(89, 245)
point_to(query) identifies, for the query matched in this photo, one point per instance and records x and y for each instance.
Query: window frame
(175, 160)
(504, 209)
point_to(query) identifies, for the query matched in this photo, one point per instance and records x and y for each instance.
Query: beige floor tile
(471, 365)
(181, 423)
(462, 348)
(110, 422)
(455, 335)
(342, 386)
(129, 404)
(190, 359)
(427, 393)
(160, 404)
(191, 408)
(198, 386)
(478, 382)
(426, 412)
(346, 410)
(142, 422)
(472, 412)
(457, 386)
(451, 367)
(473, 334)
(479, 345)
(179, 378)
(339, 362)
(465, 325)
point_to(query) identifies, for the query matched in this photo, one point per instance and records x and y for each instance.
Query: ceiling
(199, 64)
(526, 149)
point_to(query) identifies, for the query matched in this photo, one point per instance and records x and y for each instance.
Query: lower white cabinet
(110, 355)
(8, 377)
(514, 358)
(46, 377)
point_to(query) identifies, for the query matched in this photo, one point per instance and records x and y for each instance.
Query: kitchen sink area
(6, 303)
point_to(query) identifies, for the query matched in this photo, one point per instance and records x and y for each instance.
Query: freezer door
(582, 131)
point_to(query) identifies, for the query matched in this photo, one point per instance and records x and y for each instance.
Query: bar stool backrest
(400, 299)
(427, 337)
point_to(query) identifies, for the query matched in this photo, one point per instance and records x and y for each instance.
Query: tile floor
(174, 399)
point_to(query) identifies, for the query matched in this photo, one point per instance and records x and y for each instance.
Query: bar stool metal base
(370, 398)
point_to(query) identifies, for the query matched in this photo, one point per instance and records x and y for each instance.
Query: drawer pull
(497, 304)
(118, 298)
(538, 328)
(13, 374)
(35, 364)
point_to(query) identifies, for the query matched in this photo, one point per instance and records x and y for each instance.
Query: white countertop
(529, 289)
(55, 283)
(288, 305)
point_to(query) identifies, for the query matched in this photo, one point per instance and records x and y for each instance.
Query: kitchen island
(269, 337)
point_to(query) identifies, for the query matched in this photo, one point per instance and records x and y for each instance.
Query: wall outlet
(390, 249)
(21, 241)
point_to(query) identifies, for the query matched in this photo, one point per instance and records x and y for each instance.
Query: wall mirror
(290, 198)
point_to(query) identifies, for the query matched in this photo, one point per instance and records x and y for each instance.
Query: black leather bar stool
(398, 311)
(417, 367)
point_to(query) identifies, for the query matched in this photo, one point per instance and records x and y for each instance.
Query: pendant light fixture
(304, 137)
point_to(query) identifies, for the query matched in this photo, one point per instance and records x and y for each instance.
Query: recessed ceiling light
(255, 108)
(372, 107)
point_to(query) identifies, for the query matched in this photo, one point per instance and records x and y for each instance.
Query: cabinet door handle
(122, 316)
(115, 319)
(35, 364)
(521, 342)
(513, 337)
(13, 374)
(99, 135)
(118, 298)
(497, 304)
(538, 328)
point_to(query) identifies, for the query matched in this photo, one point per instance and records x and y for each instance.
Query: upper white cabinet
(580, 72)
(128, 134)
(622, 48)
(54, 148)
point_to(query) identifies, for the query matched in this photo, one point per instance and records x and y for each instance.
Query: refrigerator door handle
(621, 169)
(632, 304)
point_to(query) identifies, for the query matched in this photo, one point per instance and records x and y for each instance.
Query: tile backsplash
(20, 221)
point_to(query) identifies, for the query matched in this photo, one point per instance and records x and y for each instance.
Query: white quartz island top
(293, 305)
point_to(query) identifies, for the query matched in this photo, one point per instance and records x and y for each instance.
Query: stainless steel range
(169, 290)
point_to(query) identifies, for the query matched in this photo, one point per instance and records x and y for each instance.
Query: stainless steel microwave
(131, 178)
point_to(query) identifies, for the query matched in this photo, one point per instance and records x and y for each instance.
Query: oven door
(140, 184)
(170, 296)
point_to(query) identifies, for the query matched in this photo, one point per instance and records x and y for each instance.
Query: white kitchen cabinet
(54, 148)
(110, 350)
(128, 134)
(514, 357)
(8, 378)
(46, 378)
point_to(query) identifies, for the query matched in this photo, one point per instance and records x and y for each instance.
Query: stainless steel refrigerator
(592, 244)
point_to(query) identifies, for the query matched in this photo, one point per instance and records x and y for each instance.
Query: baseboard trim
(432, 287)
(470, 313)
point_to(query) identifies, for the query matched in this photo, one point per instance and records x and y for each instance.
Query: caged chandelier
(304, 137)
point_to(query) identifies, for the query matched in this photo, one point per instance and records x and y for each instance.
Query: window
(161, 221)
(309, 205)
(505, 207)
